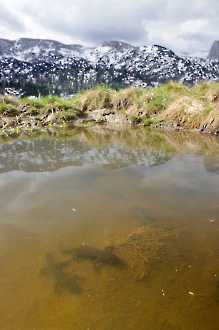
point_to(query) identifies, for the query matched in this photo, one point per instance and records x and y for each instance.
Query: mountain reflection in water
(98, 146)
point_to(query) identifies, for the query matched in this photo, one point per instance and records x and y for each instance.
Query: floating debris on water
(163, 292)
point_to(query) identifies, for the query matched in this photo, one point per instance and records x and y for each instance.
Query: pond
(109, 229)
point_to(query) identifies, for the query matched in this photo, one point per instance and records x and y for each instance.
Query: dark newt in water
(71, 283)
(98, 256)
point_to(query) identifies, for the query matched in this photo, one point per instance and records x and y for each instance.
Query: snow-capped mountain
(38, 66)
(32, 49)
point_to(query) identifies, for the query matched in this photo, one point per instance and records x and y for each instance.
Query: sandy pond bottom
(109, 230)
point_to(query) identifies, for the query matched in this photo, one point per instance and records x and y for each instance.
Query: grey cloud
(95, 22)
(178, 24)
(10, 21)
(195, 37)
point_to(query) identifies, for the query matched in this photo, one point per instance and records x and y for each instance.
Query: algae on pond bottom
(138, 252)
(142, 248)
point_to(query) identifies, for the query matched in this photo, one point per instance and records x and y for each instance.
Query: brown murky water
(103, 229)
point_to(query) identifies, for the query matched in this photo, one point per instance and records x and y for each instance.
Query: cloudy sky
(185, 26)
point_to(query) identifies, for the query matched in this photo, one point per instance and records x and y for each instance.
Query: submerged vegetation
(137, 253)
(169, 105)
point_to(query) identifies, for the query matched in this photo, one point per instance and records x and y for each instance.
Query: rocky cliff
(214, 51)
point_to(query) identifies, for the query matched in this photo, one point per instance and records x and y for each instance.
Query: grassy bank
(170, 105)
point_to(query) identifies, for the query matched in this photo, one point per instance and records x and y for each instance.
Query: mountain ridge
(42, 66)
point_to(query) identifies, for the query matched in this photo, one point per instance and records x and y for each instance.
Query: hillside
(42, 67)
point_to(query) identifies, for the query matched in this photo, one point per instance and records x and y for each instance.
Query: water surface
(64, 199)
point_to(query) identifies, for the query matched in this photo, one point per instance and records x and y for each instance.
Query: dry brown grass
(173, 104)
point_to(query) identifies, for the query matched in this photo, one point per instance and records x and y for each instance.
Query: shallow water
(65, 199)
